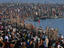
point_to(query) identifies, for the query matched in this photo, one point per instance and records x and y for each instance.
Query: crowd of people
(30, 10)
(19, 37)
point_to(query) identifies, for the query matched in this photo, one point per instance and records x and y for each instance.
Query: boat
(43, 17)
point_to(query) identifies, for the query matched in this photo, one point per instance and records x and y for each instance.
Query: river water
(53, 23)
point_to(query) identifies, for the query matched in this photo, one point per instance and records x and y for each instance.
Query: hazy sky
(33, 1)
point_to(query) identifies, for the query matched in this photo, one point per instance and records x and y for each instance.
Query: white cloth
(58, 46)
(6, 37)
(14, 29)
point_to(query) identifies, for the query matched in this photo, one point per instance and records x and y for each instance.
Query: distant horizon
(34, 1)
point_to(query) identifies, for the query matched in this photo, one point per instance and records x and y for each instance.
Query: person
(23, 45)
(47, 41)
(40, 44)
(1, 43)
(7, 44)
(31, 43)
(58, 46)
(63, 43)
(28, 43)
(18, 44)
(50, 43)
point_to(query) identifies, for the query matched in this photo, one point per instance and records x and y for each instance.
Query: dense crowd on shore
(27, 9)
(20, 37)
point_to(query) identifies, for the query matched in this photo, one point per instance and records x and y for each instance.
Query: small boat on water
(56, 17)
(43, 17)
(53, 17)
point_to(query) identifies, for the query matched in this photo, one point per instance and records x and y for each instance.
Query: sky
(34, 1)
